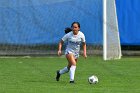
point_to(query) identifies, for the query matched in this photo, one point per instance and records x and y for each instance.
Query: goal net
(34, 27)
(111, 39)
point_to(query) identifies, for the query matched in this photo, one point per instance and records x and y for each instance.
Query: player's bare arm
(84, 50)
(60, 47)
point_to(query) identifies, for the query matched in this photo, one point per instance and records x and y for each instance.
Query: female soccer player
(74, 40)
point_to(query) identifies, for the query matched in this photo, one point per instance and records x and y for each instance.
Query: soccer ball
(93, 79)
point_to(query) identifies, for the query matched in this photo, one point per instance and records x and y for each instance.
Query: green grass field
(37, 75)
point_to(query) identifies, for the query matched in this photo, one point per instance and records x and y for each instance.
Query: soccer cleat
(57, 75)
(72, 82)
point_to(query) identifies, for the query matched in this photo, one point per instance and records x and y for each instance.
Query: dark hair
(67, 30)
(75, 23)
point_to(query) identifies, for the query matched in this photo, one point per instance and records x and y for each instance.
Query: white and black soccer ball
(93, 79)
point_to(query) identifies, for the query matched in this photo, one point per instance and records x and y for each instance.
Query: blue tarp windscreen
(29, 22)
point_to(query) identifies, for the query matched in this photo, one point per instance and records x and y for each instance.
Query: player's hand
(59, 52)
(85, 55)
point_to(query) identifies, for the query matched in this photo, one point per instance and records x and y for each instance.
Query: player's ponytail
(67, 30)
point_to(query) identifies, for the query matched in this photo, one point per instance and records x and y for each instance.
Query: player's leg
(62, 71)
(72, 66)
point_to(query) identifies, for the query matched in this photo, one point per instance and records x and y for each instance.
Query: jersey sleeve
(65, 37)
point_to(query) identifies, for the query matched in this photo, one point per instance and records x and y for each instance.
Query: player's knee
(73, 63)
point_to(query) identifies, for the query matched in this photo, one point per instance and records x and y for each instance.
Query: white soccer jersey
(74, 41)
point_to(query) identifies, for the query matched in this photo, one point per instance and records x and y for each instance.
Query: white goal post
(111, 39)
